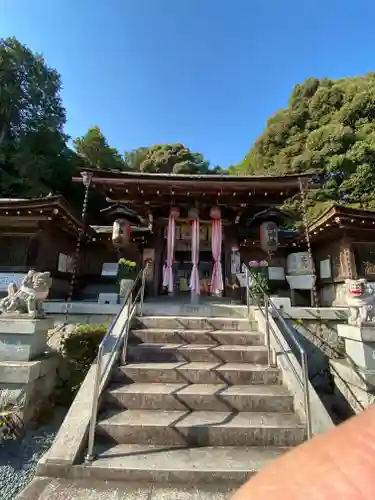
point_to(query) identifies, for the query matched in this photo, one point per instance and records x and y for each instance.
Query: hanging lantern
(269, 236)
(215, 213)
(175, 212)
(121, 233)
(193, 213)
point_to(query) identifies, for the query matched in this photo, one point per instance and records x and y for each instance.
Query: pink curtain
(194, 277)
(216, 241)
(167, 271)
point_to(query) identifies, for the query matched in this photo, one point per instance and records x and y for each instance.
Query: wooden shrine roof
(353, 220)
(49, 208)
(148, 191)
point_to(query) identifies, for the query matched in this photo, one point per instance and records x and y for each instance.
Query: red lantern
(215, 213)
(193, 213)
(175, 212)
(121, 233)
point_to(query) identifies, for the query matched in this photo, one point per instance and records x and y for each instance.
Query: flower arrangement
(127, 269)
(11, 423)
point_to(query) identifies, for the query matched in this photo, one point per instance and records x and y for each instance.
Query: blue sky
(207, 73)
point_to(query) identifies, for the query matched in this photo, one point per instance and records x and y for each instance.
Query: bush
(79, 349)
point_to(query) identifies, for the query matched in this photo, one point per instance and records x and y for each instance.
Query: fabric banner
(167, 271)
(216, 243)
(194, 277)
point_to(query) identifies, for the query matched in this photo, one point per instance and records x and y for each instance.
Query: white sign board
(325, 268)
(7, 278)
(276, 273)
(109, 269)
(242, 279)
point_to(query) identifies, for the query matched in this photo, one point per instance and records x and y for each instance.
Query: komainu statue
(29, 297)
(361, 301)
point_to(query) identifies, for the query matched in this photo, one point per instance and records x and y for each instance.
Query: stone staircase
(195, 403)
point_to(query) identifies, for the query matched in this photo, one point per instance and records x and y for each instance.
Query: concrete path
(60, 489)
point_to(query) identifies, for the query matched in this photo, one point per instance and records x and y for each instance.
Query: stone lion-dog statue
(28, 298)
(360, 298)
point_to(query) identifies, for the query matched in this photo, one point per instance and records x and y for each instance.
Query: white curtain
(216, 242)
(194, 277)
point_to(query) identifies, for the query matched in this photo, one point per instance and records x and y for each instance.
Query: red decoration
(215, 213)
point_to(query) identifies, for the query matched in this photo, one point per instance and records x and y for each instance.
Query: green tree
(167, 159)
(328, 128)
(95, 151)
(29, 92)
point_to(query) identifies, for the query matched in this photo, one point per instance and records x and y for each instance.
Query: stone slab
(362, 379)
(23, 339)
(359, 333)
(361, 353)
(63, 489)
(24, 372)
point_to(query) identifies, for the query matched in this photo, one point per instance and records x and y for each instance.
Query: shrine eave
(121, 180)
(49, 208)
(342, 217)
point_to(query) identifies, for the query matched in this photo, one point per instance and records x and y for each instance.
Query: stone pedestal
(23, 338)
(359, 344)
(125, 287)
(355, 377)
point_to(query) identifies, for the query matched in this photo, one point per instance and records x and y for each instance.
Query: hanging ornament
(175, 212)
(193, 213)
(269, 236)
(121, 233)
(215, 213)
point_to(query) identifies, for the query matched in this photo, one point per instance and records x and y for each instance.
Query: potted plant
(126, 274)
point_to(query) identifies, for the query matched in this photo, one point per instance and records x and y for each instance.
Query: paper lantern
(193, 213)
(269, 236)
(215, 213)
(175, 212)
(121, 233)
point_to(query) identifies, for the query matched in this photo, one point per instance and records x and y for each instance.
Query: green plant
(11, 423)
(79, 349)
(127, 269)
(259, 284)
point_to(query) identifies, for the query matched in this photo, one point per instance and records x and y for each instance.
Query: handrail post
(94, 407)
(306, 394)
(247, 292)
(142, 290)
(268, 336)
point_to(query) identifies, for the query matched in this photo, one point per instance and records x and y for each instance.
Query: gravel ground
(18, 459)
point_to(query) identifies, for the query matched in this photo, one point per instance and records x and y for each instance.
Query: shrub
(79, 349)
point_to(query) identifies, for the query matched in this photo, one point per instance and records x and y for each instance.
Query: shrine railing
(268, 311)
(113, 344)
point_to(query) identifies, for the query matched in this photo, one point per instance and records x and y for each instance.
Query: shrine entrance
(182, 266)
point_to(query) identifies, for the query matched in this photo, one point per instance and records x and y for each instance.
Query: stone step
(183, 336)
(198, 373)
(166, 464)
(208, 397)
(197, 352)
(195, 323)
(201, 428)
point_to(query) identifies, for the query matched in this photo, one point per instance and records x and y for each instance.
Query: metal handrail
(102, 374)
(268, 304)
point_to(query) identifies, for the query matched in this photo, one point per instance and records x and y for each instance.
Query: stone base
(28, 383)
(359, 344)
(354, 387)
(23, 338)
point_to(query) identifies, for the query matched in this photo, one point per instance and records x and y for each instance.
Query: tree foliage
(167, 159)
(95, 151)
(328, 128)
